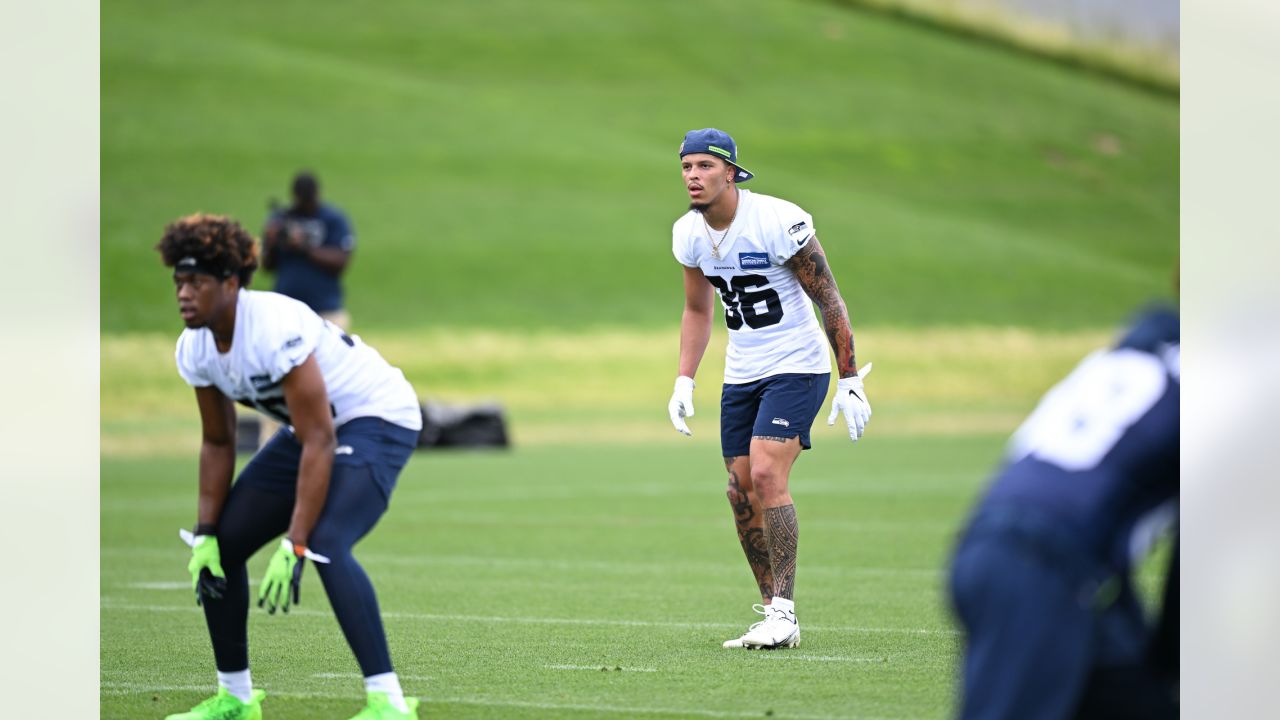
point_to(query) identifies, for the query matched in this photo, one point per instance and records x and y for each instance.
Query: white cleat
(779, 629)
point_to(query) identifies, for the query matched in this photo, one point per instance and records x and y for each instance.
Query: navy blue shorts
(777, 406)
(370, 444)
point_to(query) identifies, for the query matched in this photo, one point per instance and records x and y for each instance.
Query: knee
(738, 487)
(764, 477)
(330, 541)
(769, 481)
(736, 492)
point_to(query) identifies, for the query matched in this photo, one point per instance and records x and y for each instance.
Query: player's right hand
(681, 405)
(207, 577)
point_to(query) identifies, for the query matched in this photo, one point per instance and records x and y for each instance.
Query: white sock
(237, 683)
(783, 604)
(388, 683)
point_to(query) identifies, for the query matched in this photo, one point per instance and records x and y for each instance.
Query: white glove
(851, 399)
(681, 405)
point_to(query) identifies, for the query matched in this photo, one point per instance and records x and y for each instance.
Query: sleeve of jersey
(344, 235)
(290, 340)
(795, 230)
(681, 247)
(187, 366)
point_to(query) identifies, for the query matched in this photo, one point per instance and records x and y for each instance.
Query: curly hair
(216, 241)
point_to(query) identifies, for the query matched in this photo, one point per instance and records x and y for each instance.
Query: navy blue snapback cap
(714, 142)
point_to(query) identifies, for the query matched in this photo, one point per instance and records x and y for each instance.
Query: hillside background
(513, 165)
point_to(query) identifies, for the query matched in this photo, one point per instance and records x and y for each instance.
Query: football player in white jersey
(351, 421)
(761, 256)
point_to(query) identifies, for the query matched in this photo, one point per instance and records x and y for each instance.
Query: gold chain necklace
(715, 246)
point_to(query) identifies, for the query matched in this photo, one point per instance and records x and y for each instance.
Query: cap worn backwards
(718, 143)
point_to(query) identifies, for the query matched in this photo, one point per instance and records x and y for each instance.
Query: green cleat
(225, 706)
(380, 708)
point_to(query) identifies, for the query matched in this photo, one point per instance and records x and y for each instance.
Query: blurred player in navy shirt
(308, 246)
(1041, 580)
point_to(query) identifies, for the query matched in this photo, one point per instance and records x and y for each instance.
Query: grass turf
(585, 581)
(512, 165)
(510, 171)
(613, 387)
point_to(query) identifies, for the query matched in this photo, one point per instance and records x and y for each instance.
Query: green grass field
(517, 584)
(510, 169)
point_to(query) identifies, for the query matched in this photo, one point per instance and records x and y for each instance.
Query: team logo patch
(800, 232)
(753, 261)
(782, 422)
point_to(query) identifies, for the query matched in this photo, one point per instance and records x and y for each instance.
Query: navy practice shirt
(296, 275)
(1099, 456)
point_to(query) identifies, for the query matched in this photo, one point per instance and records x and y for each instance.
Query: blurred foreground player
(351, 421)
(1041, 579)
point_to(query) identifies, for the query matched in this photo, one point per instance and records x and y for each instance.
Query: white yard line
(600, 668)
(358, 676)
(788, 657)
(108, 605)
(536, 563)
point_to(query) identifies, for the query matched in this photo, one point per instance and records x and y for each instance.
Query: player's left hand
(282, 584)
(851, 399)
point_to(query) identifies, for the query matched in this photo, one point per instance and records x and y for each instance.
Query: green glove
(283, 582)
(207, 578)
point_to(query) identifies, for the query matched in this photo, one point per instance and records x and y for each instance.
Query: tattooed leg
(782, 533)
(750, 522)
(771, 464)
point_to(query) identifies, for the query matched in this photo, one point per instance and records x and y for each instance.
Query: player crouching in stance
(351, 421)
(760, 254)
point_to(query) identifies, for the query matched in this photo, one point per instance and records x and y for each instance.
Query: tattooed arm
(811, 269)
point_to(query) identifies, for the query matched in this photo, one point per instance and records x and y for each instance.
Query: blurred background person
(308, 246)
(1042, 579)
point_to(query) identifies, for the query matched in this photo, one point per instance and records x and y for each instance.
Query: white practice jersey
(273, 335)
(772, 327)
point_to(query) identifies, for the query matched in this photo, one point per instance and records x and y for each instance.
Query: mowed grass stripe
(612, 385)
